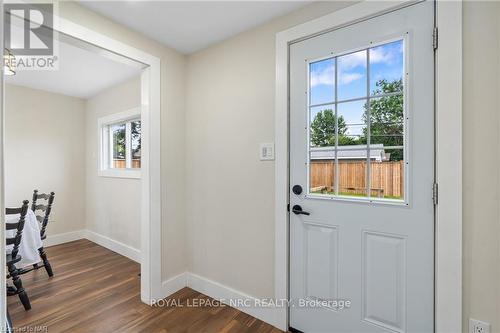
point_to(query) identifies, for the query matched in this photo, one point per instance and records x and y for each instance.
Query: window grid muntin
(368, 129)
(368, 97)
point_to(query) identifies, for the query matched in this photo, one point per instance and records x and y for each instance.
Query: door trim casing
(448, 111)
(151, 262)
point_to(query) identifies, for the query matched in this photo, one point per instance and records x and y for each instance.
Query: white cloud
(382, 54)
(346, 78)
(324, 76)
(350, 62)
(346, 64)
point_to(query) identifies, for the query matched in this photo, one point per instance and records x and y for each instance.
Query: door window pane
(352, 173)
(386, 68)
(351, 123)
(322, 82)
(118, 146)
(388, 174)
(322, 171)
(322, 126)
(351, 76)
(387, 121)
(357, 141)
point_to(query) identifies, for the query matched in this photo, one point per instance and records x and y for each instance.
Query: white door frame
(448, 232)
(151, 261)
(3, 294)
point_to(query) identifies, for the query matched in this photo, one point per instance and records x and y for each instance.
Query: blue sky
(386, 62)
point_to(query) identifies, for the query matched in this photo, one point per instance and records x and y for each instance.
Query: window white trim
(120, 173)
(128, 145)
(105, 155)
(448, 237)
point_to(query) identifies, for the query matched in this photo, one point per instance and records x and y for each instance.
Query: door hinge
(435, 38)
(288, 207)
(435, 193)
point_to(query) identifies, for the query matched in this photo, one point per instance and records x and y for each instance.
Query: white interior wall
(52, 144)
(45, 150)
(229, 111)
(481, 195)
(113, 205)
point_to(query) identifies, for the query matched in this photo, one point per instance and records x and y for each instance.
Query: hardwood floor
(97, 290)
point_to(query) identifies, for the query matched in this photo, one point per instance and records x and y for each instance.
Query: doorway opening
(133, 145)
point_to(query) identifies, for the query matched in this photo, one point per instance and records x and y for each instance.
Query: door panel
(384, 278)
(321, 261)
(362, 148)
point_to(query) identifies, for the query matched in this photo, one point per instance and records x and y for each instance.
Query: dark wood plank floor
(97, 290)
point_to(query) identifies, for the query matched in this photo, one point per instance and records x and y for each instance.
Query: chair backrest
(46, 208)
(19, 226)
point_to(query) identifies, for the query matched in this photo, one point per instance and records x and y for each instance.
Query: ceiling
(83, 72)
(190, 26)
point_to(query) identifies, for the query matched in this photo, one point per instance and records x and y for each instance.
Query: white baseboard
(241, 301)
(234, 298)
(64, 237)
(174, 284)
(217, 291)
(113, 245)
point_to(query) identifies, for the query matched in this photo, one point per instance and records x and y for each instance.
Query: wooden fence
(387, 178)
(121, 164)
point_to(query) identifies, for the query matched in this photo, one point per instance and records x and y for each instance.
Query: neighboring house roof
(355, 152)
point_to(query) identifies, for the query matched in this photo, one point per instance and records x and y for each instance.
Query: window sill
(124, 173)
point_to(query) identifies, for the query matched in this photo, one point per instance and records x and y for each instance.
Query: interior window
(135, 134)
(120, 145)
(125, 145)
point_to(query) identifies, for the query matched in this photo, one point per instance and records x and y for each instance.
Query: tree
(118, 141)
(323, 129)
(386, 125)
(136, 138)
(387, 117)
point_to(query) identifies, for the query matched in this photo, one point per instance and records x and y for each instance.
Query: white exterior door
(362, 172)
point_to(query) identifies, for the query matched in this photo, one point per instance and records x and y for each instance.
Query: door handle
(297, 210)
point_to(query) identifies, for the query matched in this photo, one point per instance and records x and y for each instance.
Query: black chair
(9, 328)
(14, 257)
(44, 220)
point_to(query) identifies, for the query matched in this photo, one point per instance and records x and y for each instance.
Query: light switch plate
(267, 151)
(477, 326)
